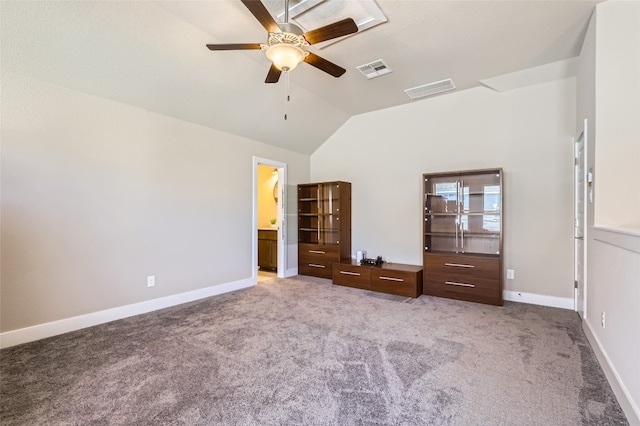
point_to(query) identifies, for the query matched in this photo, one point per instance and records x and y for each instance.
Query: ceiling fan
(286, 42)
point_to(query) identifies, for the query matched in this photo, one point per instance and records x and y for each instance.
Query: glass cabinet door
(441, 213)
(329, 209)
(308, 229)
(480, 213)
(463, 213)
(319, 213)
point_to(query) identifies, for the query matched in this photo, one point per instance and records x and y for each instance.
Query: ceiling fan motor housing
(288, 27)
(287, 38)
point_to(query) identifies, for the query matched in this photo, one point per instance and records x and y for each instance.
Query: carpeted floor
(304, 352)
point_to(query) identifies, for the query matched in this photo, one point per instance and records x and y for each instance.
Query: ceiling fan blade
(234, 46)
(273, 75)
(337, 29)
(324, 65)
(262, 15)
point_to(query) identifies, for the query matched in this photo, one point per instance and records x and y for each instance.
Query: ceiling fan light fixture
(285, 56)
(286, 42)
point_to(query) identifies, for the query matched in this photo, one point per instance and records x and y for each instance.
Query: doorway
(579, 221)
(269, 220)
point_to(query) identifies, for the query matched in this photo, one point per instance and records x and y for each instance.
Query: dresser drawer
(459, 266)
(392, 278)
(317, 259)
(315, 267)
(472, 289)
(402, 283)
(319, 251)
(352, 275)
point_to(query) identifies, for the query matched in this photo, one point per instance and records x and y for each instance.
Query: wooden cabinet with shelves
(324, 226)
(463, 235)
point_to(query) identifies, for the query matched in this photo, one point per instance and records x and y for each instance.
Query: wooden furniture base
(471, 278)
(392, 278)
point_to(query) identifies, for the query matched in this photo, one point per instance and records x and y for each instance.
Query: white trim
(283, 222)
(628, 240)
(582, 304)
(538, 299)
(619, 389)
(54, 328)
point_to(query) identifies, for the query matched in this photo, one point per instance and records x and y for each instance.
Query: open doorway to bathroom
(269, 227)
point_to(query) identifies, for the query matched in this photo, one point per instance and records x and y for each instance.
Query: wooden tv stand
(392, 278)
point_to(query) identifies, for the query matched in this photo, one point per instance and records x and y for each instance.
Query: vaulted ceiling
(152, 54)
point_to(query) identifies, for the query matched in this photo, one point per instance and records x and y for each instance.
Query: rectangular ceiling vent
(430, 89)
(374, 69)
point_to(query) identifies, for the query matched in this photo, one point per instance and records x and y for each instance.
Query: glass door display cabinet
(324, 226)
(463, 235)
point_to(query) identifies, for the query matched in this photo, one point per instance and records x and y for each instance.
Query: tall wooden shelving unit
(463, 226)
(324, 226)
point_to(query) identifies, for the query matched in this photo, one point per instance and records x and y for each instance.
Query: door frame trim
(582, 136)
(281, 218)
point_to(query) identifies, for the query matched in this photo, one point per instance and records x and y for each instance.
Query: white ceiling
(152, 55)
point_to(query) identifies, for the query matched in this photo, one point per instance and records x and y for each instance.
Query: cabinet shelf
(479, 256)
(465, 213)
(466, 233)
(431, 194)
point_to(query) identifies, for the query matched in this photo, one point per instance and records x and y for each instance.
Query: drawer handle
(317, 251)
(391, 279)
(350, 273)
(459, 265)
(459, 284)
(315, 265)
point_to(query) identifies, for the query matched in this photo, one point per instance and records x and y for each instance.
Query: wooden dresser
(472, 278)
(392, 278)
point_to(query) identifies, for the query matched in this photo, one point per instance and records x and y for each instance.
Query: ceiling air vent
(430, 89)
(374, 69)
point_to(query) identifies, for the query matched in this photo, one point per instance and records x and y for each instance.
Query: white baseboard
(54, 328)
(41, 331)
(538, 299)
(625, 400)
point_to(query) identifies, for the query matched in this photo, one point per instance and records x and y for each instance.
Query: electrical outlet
(603, 320)
(151, 280)
(510, 274)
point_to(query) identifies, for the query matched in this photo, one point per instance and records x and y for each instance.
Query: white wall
(617, 183)
(528, 132)
(614, 288)
(606, 98)
(97, 195)
(267, 205)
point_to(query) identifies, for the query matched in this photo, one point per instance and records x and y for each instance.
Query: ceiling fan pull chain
(287, 97)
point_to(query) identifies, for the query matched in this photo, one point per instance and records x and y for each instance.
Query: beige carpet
(304, 352)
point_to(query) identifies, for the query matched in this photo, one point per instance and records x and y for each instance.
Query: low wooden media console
(392, 278)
